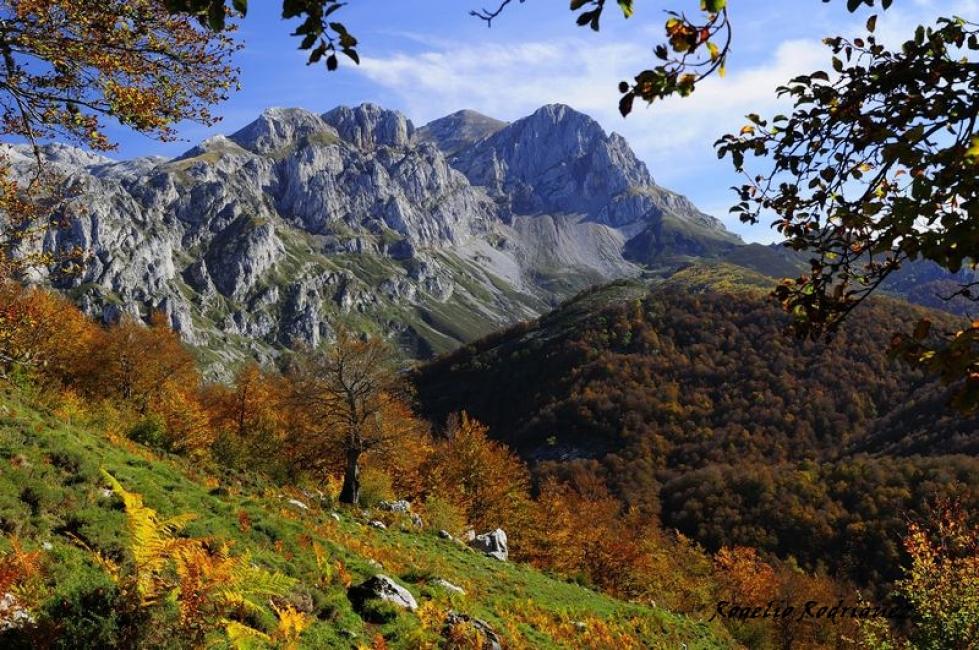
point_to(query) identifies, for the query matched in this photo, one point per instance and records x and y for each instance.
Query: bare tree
(346, 393)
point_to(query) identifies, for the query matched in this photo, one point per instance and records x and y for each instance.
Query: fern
(210, 583)
(243, 637)
(153, 543)
(291, 624)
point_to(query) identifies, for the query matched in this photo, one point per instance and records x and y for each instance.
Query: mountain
(921, 282)
(667, 361)
(257, 240)
(458, 131)
(686, 398)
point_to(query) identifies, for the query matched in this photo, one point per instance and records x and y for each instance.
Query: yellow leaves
(152, 541)
(167, 67)
(291, 625)
(713, 50)
(972, 153)
(747, 130)
(243, 637)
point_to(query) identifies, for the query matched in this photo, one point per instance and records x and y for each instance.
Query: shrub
(379, 611)
(442, 514)
(150, 431)
(375, 486)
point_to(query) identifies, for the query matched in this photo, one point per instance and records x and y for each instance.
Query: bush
(375, 486)
(442, 514)
(379, 611)
(150, 431)
(88, 613)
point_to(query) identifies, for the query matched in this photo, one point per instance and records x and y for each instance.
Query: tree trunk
(350, 493)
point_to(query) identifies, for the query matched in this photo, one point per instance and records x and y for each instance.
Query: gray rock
(491, 641)
(12, 614)
(448, 586)
(299, 505)
(493, 544)
(444, 534)
(257, 241)
(381, 587)
(369, 126)
(378, 524)
(459, 130)
(400, 506)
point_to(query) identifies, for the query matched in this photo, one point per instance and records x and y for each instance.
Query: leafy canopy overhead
(875, 167)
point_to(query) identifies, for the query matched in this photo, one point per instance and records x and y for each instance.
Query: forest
(669, 525)
(691, 404)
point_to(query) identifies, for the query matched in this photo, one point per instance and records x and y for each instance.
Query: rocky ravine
(256, 241)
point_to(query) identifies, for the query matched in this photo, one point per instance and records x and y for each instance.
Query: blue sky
(428, 58)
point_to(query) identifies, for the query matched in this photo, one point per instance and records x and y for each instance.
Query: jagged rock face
(279, 129)
(459, 130)
(369, 126)
(259, 240)
(556, 160)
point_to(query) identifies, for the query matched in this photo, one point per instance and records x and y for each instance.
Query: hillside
(675, 393)
(53, 499)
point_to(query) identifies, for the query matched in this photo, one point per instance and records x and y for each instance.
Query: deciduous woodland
(679, 518)
(652, 464)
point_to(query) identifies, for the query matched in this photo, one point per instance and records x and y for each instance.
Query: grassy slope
(54, 466)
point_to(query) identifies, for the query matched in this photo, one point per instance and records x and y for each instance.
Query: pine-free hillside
(686, 399)
(141, 507)
(269, 565)
(255, 242)
(314, 507)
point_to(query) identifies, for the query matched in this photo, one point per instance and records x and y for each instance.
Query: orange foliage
(247, 418)
(41, 332)
(481, 476)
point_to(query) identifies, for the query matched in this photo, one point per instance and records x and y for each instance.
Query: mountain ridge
(258, 240)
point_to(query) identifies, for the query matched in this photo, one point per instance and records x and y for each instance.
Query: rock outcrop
(381, 587)
(259, 240)
(493, 544)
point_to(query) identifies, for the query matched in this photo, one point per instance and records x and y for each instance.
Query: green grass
(51, 492)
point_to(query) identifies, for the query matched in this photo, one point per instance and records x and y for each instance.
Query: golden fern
(243, 637)
(218, 581)
(291, 624)
(210, 582)
(153, 543)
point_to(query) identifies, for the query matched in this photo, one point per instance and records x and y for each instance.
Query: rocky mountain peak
(279, 128)
(555, 160)
(258, 240)
(369, 126)
(459, 130)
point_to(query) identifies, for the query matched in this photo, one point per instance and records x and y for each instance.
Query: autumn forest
(341, 380)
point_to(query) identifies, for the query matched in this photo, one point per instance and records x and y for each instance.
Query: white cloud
(509, 81)
(674, 137)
